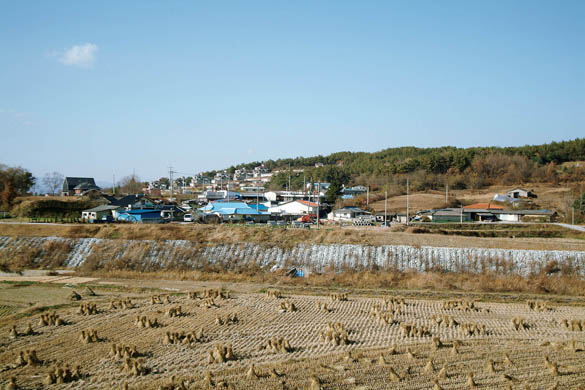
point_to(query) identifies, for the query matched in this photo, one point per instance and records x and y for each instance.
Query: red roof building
(487, 206)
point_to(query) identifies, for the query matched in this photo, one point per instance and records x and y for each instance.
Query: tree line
(14, 181)
(433, 168)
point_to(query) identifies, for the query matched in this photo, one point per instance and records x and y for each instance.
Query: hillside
(554, 197)
(436, 160)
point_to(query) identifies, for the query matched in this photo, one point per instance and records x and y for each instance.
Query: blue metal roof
(260, 207)
(229, 208)
(140, 211)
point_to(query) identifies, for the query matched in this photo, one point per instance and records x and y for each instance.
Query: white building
(295, 207)
(287, 196)
(260, 170)
(517, 193)
(217, 195)
(347, 214)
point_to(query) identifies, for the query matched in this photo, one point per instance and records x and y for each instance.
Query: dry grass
(52, 254)
(499, 230)
(550, 196)
(435, 282)
(225, 234)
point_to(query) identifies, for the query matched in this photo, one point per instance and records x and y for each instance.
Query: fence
(54, 219)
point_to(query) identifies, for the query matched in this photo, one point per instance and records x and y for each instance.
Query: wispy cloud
(79, 55)
(19, 117)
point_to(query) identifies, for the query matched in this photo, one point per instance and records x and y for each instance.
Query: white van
(188, 218)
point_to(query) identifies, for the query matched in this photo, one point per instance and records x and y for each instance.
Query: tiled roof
(483, 206)
(307, 203)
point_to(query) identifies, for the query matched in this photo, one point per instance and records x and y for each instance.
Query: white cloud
(79, 55)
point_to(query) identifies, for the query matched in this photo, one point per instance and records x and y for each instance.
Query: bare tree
(53, 181)
(131, 184)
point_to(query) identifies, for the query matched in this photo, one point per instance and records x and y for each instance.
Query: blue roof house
(235, 211)
(141, 216)
(260, 207)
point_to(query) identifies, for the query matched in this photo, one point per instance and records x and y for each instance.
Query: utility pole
(172, 188)
(386, 209)
(447, 193)
(367, 195)
(318, 203)
(171, 181)
(114, 184)
(461, 214)
(407, 200)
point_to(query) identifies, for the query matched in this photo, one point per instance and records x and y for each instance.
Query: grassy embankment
(554, 280)
(489, 236)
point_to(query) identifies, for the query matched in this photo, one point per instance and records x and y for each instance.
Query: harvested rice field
(268, 339)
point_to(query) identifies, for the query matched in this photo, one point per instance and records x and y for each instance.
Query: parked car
(188, 218)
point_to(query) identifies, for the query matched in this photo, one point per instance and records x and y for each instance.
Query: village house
(525, 215)
(78, 185)
(468, 214)
(103, 213)
(287, 196)
(140, 216)
(294, 207)
(347, 214)
(351, 192)
(235, 211)
(520, 193)
(200, 180)
(134, 201)
(260, 170)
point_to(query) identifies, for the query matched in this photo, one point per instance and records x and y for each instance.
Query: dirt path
(574, 227)
(47, 279)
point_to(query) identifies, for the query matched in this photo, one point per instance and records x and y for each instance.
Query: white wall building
(347, 214)
(295, 207)
(287, 196)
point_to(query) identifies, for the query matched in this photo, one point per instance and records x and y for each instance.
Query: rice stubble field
(214, 338)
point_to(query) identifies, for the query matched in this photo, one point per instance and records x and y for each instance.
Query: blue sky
(112, 87)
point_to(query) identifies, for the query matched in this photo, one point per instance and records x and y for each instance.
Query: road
(574, 227)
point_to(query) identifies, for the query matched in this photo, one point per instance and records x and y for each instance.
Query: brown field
(549, 197)
(367, 361)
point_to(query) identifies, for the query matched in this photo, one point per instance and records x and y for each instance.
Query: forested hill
(432, 160)
(432, 168)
